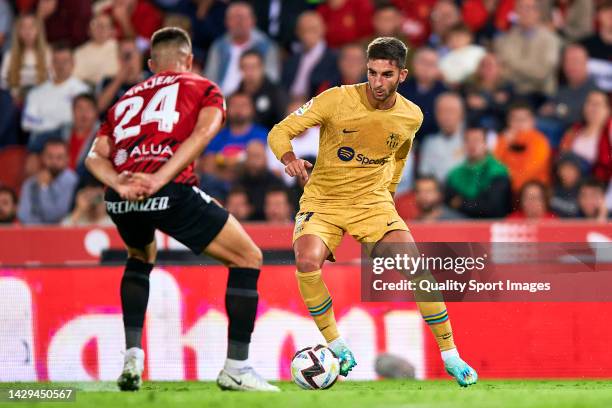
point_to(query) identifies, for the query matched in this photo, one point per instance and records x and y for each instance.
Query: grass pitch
(350, 394)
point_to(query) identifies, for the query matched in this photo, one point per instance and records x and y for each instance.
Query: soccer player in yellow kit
(366, 133)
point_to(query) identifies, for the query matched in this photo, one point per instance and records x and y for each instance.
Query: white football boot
(247, 380)
(133, 366)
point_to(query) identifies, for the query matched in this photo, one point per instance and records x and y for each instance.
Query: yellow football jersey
(362, 150)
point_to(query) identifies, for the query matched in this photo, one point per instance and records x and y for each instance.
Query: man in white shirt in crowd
(48, 106)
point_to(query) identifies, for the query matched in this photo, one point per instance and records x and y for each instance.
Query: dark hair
(252, 51)
(519, 105)
(54, 141)
(85, 96)
(9, 191)
(428, 177)
(535, 183)
(603, 5)
(593, 183)
(460, 28)
(386, 5)
(388, 48)
(61, 46)
(170, 35)
(237, 189)
(277, 188)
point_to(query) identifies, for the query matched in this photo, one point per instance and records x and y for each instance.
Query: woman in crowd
(27, 63)
(583, 139)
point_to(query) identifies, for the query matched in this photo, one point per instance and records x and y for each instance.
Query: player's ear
(151, 65)
(189, 62)
(403, 75)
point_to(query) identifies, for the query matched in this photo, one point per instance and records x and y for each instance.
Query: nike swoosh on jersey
(391, 223)
(349, 131)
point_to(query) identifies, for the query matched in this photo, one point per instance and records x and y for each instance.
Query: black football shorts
(183, 212)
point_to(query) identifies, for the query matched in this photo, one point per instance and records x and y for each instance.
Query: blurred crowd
(515, 94)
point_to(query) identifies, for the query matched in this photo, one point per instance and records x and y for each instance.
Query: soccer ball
(315, 368)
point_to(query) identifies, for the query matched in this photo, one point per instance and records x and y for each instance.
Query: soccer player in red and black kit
(144, 153)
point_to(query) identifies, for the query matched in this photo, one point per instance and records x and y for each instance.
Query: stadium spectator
(567, 179)
(256, 178)
(277, 207)
(444, 15)
(387, 22)
(136, 19)
(46, 196)
(269, 99)
(486, 18)
(479, 187)
(347, 21)
(487, 95)
(222, 65)
(565, 107)
(523, 149)
(206, 18)
(8, 206)
(583, 139)
(230, 144)
(599, 47)
(423, 87)
(416, 15)
(529, 54)
(28, 62)
(238, 205)
(533, 203)
(306, 144)
(591, 201)
(602, 170)
(278, 19)
(463, 57)
(573, 19)
(444, 150)
(9, 121)
(97, 58)
(429, 200)
(314, 59)
(129, 74)
(66, 20)
(351, 69)
(89, 208)
(6, 25)
(83, 131)
(48, 107)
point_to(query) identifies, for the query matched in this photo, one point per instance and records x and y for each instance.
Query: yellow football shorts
(365, 224)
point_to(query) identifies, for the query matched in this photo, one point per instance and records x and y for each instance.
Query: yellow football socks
(436, 317)
(319, 303)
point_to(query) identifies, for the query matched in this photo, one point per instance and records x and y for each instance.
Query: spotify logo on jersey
(346, 153)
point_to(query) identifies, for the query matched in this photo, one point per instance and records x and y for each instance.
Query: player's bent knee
(252, 258)
(307, 263)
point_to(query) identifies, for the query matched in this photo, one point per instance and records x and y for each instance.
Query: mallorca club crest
(393, 141)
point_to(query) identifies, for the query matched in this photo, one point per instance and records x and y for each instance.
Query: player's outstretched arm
(98, 163)
(208, 125)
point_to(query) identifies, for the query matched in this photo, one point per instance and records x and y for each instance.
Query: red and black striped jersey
(151, 120)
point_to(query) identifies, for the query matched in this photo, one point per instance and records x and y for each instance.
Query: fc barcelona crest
(393, 141)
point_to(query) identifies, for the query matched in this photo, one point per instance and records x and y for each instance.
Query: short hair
(388, 48)
(237, 189)
(460, 28)
(520, 105)
(60, 46)
(592, 182)
(277, 188)
(429, 177)
(9, 191)
(476, 128)
(254, 52)
(604, 5)
(54, 141)
(170, 35)
(87, 96)
(386, 5)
